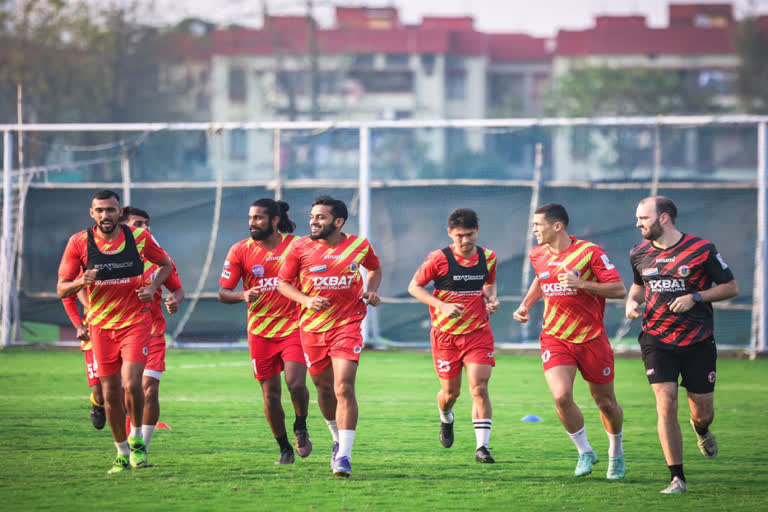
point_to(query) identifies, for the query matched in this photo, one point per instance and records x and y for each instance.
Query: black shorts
(664, 363)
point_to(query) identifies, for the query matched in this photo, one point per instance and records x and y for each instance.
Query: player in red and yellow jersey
(273, 334)
(326, 266)
(118, 316)
(98, 415)
(153, 370)
(575, 277)
(465, 295)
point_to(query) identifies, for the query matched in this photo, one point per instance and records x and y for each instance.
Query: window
(383, 81)
(237, 87)
(364, 61)
(456, 85)
(397, 60)
(238, 145)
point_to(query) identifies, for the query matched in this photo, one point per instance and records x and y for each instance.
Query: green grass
(220, 454)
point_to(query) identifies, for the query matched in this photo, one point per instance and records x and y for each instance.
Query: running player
(674, 274)
(326, 265)
(575, 277)
(273, 335)
(98, 415)
(119, 319)
(464, 296)
(153, 370)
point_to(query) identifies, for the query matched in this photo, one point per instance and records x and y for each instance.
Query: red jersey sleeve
(491, 268)
(603, 268)
(371, 261)
(289, 271)
(173, 282)
(70, 306)
(71, 261)
(434, 266)
(151, 251)
(232, 270)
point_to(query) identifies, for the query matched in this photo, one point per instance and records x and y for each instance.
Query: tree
(752, 85)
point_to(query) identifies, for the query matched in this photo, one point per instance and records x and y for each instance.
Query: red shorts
(156, 355)
(269, 355)
(113, 346)
(345, 342)
(91, 367)
(451, 352)
(593, 358)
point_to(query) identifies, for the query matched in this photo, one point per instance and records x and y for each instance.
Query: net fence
(400, 181)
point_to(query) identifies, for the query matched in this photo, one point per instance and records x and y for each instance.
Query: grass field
(220, 454)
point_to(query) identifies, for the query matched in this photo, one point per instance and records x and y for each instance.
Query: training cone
(531, 417)
(163, 426)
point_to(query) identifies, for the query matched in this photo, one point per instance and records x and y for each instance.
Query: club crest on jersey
(607, 371)
(357, 349)
(318, 268)
(226, 264)
(684, 270)
(652, 271)
(153, 276)
(354, 266)
(257, 270)
(544, 275)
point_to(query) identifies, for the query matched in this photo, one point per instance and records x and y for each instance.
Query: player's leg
(560, 381)
(296, 381)
(597, 367)
(320, 370)
(98, 414)
(271, 390)
(662, 367)
(447, 360)
(131, 374)
(478, 376)
(699, 371)
(150, 383)
(345, 372)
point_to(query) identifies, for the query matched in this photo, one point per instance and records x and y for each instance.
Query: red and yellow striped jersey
(113, 303)
(474, 316)
(172, 283)
(271, 315)
(332, 272)
(572, 315)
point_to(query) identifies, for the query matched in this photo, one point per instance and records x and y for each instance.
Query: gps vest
(125, 264)
(463, 279)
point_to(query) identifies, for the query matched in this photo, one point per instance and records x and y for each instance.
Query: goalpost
(17, 182)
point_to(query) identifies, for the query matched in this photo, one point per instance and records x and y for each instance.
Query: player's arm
(70, 306)
(372, 282)
(289, 290)
(491, 300)
(635, 299)
(177, 294)
(451, 310)
(71, 279)
(533, 296)
(156, 255)
(722, 291)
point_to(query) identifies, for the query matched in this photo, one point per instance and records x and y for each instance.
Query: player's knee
(344, 390)
(563, 399)
(479, 390)
(606, 403)
(702, 420)
(150, 393)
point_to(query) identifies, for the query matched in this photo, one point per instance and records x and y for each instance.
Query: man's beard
(260, 235)
(324, 233)
(106, 231)
(654, 232)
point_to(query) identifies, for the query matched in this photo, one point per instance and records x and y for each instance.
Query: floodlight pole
(759, 299)
(6, 269)
(364, 198)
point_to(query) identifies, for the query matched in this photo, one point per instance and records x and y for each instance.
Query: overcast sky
(536, 17)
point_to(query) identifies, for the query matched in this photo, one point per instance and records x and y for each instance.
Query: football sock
(346, 440)
(135, 432)
(147, 431)
(676, 471)
(615, 446)
(580, 440)
(283, 442)
(300, 423)
(482, 431)
(446, 416)
(94, 402)
(334, 429)
(123, 448)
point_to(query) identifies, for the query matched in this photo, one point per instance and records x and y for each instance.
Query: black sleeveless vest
(125, 264)
(463, 279)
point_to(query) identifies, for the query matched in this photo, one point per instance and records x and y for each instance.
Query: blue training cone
(531, 417)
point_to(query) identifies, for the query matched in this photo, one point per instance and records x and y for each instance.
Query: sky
(535, 17)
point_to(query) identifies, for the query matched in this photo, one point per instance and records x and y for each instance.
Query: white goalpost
(17, 183)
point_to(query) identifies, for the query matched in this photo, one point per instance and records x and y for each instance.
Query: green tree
(752, 84)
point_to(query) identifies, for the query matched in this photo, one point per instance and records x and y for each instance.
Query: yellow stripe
(463, 327)
(567, 332)
(277, 327)
(582, 334)
(489, 262)
(558, 324)
(354, 245)
(551, 315)
(320, 318)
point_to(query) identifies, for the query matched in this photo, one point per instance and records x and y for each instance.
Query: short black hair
(338, 208)
(105, 194)
(277, 209)
(463, 218)
(132, 210)
(554, 212)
